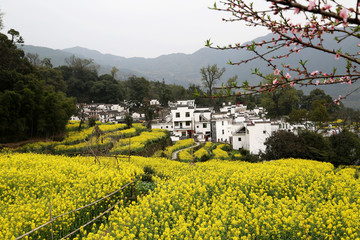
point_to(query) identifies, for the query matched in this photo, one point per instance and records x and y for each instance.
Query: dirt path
(174, 154)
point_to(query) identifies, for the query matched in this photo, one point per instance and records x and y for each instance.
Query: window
(176, 124)
(167, 126)
(187, 114)
(177, 114)
(204, 125)
(197, 126)
(264, 132)
(222, 132)
(239, 139)
(222, 122)
(187, 123)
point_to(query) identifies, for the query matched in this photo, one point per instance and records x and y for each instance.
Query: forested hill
(184, 69)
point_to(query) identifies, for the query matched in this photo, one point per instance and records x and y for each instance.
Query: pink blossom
(327, 6)
(343, 14)
(276, 72)
(317, 82)
(292, 84)
(288, 76)
(275, 81)
(296, 10)
(337, 56)
(314, 73)
(312, 4)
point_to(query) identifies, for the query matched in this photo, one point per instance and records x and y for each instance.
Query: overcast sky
(128, 28)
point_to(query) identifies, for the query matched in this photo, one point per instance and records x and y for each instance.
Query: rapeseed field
(217, 199)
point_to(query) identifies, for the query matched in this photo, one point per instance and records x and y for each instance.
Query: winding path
(174, 154)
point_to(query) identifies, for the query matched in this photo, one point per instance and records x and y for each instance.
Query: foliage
(219, 153)
(284, 144)
(279, 102)
(246, 156)
(202, 155)
(318, 26)
(346, 148)
(129, 120)
(340, 149)
(185, 156)
(92, 121)
(317, 147)
(209, 76)
(29, 106)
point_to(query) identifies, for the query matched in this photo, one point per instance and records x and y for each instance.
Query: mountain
(184, 69)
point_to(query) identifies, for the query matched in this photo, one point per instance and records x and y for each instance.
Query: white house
(221, 127)
(252, 135)
(154, 102)
(183, 120)
(202, 123)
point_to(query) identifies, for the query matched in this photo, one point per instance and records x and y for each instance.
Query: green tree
(317, 147)
(165, 94)
(106, 90)
(298, 116)
(306, 101)
(137, 90)
(346, 148)
(46, 62)
(15, 36)
(129, 120)
(209, 76)
(53, 78)
(284, 144)
(178, 92)
(279, 102)
(33, 59)
(318, 113)
(28, 108)
(113, 72)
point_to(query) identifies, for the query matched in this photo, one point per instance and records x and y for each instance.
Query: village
(234, 124)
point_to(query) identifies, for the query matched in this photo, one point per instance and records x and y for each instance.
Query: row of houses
(233, 124)
(105, 112)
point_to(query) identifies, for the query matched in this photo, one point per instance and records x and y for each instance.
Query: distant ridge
(184, 69)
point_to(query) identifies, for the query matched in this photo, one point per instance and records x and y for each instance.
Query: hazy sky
(128, 28)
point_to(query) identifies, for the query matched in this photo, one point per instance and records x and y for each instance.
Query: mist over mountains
(184, 69)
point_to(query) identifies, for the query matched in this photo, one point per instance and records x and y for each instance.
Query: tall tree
(318, 113)
(34, 59)
(113, 72)
(209, 77)
(279, 102)
(137, 91)
(27, 107)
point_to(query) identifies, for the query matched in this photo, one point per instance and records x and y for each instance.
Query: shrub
(185, 156)
(202, 155)
(220, 154)
(284, 144)
(149, 170)
(346, 148)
